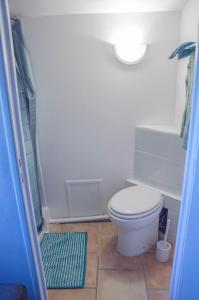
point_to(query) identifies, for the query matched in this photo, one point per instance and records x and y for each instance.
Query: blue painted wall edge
(185, 275)
(16, 259)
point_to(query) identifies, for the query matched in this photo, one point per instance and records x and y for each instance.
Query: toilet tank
(159, 158)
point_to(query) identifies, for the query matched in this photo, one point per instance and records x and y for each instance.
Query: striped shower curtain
(27, 99)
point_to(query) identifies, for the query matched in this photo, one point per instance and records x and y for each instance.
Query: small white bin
(163, 250)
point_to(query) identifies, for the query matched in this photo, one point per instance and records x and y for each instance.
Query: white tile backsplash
(159, 162)
(164, 144)
(159, 159)
(158, 171)
(172, 204)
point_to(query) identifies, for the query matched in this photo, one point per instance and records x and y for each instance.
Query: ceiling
(62, 7)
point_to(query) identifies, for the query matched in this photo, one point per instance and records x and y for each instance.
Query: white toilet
(135, 211)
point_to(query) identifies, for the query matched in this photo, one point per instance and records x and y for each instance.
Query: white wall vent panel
(84, 197)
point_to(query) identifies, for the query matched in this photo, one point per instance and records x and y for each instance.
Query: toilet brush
(167, 231)
(163, 248)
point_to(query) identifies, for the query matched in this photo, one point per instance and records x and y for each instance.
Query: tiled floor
(111, 276)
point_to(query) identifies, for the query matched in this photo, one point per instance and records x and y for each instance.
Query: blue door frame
(20, 259)
(16, 260)
(185, 275)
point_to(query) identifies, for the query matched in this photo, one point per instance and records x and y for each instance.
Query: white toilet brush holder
(163, 248)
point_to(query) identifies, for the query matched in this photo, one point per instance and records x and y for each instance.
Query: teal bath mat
(64, 259)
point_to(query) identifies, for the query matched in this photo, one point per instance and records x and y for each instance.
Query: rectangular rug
(64, 259)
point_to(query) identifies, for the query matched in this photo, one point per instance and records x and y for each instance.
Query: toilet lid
(135, 200)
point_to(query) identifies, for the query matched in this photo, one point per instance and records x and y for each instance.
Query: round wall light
(128, 46)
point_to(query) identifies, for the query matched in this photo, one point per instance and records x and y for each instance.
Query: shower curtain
(27, 100)
(189, 87)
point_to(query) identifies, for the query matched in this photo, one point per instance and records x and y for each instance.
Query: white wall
(63, 7)
(188, 32)
(89, 103)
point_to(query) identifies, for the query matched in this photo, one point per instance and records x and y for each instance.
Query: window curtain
(27, 98)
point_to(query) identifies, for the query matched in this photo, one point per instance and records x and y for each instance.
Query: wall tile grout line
(97, 279)
(157, 289)
(143, 270)
(123, 270)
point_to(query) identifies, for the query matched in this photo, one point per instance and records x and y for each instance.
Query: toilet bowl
(135, 211)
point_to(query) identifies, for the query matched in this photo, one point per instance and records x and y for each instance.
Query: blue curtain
(27, 98)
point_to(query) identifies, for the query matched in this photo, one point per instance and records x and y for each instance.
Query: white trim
(42, 234)
(79, 219)
(161, 128)
(10, 72)
(41, 175)
(68, 203)
(45, 214)
(163, 192)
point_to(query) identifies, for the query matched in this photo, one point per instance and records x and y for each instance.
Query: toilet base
(135, 242)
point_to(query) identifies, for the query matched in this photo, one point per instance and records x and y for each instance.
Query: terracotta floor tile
(91, 228)
(111, 259)
(91, 270)
(121, 285)
(157, 274)
(120, 277)
(107, 229)
(78, 294)
(158, 294)
(57, 227)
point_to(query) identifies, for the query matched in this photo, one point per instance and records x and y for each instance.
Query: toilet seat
(135, 202)
(133, 217)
